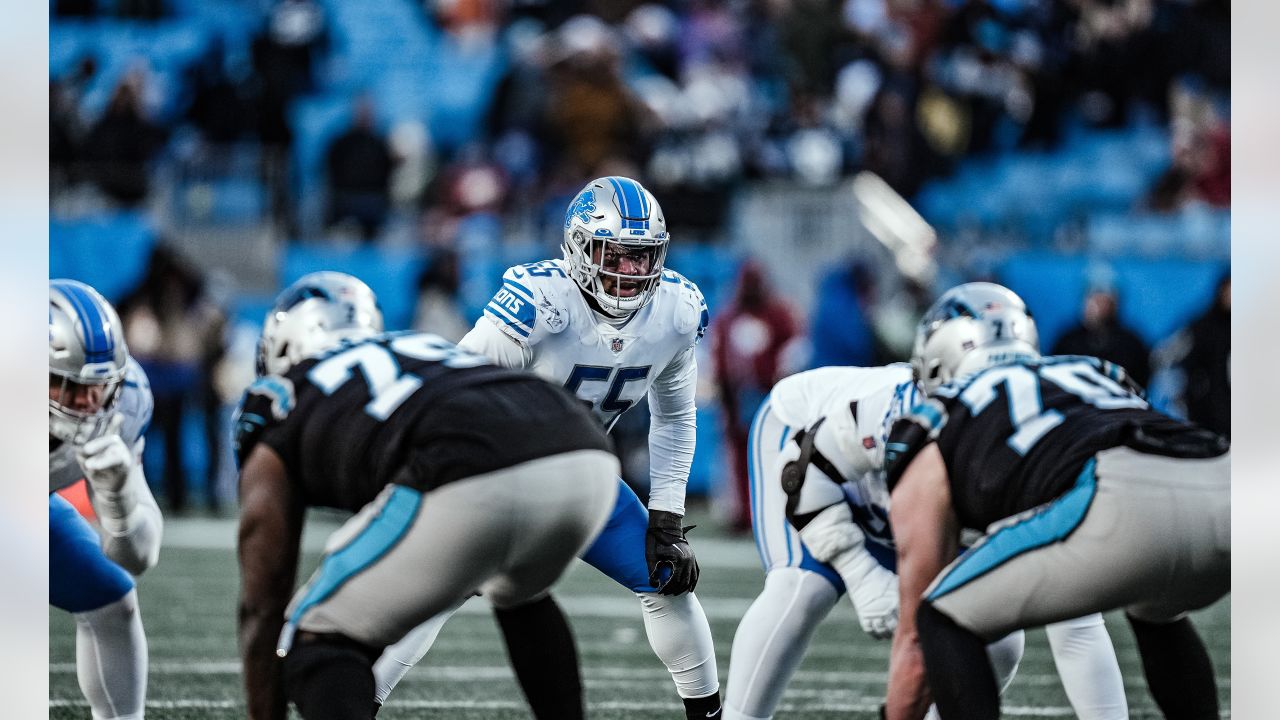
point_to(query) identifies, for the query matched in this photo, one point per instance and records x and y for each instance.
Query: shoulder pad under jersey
(531, 303)
(267, 401)
(691, 314)
(909, 435)
(136, 403)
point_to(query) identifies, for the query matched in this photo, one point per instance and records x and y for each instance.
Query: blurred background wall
(826, 166)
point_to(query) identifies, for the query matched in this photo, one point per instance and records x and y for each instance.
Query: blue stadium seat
(1157, 297)
(392, 273)
(109, 252)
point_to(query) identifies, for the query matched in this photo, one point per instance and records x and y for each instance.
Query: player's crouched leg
(676, 625)
(542, 652)
(111, 659)
(330, 677)
(1177, 667)
(957, 667)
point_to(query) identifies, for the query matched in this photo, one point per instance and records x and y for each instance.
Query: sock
(957, 667)
(703, 707)
(398, 659)
(540, 646)
(1178, 670)
(330, 677)
(111, 659)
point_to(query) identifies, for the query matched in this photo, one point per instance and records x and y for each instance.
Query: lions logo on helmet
(316, 313)
(87, 361)
(972, 327)
(615, 242)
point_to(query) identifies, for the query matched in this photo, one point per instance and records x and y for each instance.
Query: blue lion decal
(582, 207)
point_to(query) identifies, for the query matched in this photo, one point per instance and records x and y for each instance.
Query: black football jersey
(1016, 436)
(408, 408)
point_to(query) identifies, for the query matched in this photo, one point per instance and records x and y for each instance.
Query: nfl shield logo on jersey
(616, 345)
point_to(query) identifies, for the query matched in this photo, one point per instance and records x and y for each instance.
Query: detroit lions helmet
(972, 327)
(615, 242)
(87, 361)
(316, 313)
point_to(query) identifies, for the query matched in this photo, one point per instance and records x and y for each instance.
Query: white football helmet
(314, 314)
(972, 327)
(615, 242)
(87, 361)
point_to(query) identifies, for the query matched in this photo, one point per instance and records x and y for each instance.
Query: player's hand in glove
(876, 601)
(673, 569)
(106, 459)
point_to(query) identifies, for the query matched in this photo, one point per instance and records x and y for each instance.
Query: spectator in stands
(284, 54)
(592, 116)
(1201, 150)
(841, 331)
(1100, 334)
(1207, 364)
(176, 334)
(439, 308)
(120, 145)
(747, 343)
(359, 165)
(218, 108)
(64, 136)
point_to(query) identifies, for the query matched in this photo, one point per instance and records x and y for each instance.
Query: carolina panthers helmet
(614, 219)
(316, 313)
(87, 361)
(971, 327)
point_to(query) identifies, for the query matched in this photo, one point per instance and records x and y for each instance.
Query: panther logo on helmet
(970, 328)
(314, 314)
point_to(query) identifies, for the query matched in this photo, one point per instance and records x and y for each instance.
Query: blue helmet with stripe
(314, 314)
(87, 360)
(615, 242)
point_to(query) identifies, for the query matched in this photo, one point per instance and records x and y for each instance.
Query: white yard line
(611, 676)
(864, 706)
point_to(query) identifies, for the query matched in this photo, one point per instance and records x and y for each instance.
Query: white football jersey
(135, 404)
(610, 366)
(857, 406)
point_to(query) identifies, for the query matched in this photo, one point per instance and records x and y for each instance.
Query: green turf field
(188, 605)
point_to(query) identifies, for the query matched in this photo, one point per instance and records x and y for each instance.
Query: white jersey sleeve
(673, 413)
(673, 429)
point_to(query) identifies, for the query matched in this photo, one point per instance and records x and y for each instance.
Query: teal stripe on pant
(1051, 524)
(375, 540)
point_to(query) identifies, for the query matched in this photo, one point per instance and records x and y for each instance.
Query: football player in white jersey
(816, 442)
(99, 407)
(612, 324)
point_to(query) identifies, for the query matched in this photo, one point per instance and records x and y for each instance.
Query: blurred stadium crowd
(203, 154)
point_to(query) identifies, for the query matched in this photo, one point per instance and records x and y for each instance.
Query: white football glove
(876, 601)
(834, 538)
(107, 460)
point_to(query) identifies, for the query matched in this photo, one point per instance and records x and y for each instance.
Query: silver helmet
(87, 361)
(314, 314)
(615, 242)
(972, 327)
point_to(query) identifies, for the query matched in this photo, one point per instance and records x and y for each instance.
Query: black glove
(665, 547)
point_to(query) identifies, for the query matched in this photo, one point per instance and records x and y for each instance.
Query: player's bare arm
(270, 531)
(927, 535)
